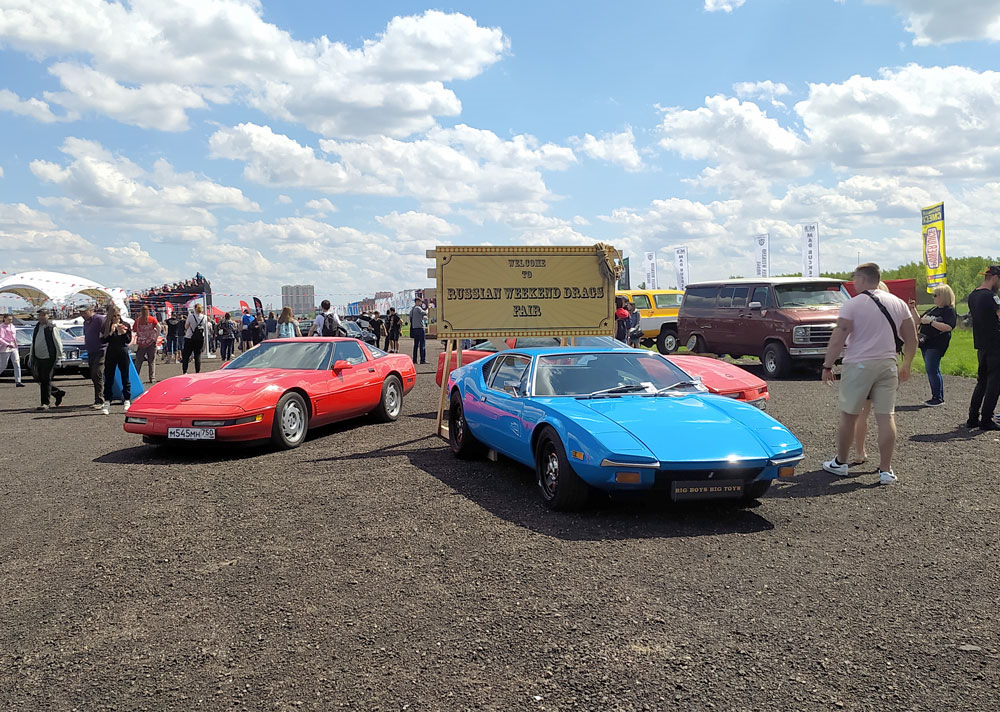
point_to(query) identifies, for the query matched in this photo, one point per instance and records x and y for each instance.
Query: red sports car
(278, 390)
(719, 377)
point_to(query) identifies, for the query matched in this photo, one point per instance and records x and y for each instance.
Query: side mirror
(341, 365)
(755, 305)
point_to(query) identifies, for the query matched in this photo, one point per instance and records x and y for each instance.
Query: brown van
(783, 320)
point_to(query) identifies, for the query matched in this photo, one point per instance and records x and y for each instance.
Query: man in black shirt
(984, 307)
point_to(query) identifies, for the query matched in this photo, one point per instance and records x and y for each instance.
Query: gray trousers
(148, 354)
(95, 361)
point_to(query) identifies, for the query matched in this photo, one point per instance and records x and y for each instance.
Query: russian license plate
(706, 489)
(191, 433)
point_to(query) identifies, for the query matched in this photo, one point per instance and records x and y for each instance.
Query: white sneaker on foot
(106, 408)
(887, 478)
(97, 406)
(833, 466)
(126, 404)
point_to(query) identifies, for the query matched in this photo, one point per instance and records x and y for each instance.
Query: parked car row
(74, 355)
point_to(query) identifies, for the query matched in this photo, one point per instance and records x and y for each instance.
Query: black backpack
(330, 324)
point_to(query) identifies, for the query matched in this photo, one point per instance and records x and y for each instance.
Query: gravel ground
(370, 570)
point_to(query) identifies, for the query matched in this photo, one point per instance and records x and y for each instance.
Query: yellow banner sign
(932, 231)
(525, 291)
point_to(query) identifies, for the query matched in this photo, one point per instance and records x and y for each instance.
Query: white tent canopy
(40, 287)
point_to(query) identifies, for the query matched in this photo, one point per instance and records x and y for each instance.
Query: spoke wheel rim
(392, 399)
(293, 422)
(769, 361)
(549, 476)
(458, 424)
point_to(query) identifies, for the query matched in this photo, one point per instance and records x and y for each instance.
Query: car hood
(718, 375)
(222, 387)
(692, 428)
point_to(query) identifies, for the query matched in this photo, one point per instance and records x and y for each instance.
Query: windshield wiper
(628, 388)
(679, 384)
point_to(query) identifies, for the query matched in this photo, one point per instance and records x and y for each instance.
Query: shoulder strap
(881, 307)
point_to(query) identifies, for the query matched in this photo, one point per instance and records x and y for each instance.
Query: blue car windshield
(307, 355)
(626, 371)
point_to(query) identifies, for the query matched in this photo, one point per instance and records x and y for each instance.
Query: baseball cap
(992, 271)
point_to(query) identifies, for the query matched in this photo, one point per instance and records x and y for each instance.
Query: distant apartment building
(300, 297)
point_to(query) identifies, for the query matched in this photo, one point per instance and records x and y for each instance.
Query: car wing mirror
(755, 305)
(341, 365)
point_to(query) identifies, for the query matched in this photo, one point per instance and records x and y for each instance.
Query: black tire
(775, 360)
(391, 403)
(755, 490)
(696, 344)
(560, 487)
(463, 443)
(666, 342)
(291, 421)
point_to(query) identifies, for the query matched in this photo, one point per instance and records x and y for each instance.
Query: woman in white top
(194, 338)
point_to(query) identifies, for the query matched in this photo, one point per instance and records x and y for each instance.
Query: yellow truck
(657, 315)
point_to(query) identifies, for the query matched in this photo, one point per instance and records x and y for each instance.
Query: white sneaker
(97, 406)
(836, 468)
(106, 408)
(887, 478)
(127, 404)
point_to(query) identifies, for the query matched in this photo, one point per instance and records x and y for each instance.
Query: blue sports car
(615, 419)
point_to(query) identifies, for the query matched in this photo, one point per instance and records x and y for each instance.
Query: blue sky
(265, 143)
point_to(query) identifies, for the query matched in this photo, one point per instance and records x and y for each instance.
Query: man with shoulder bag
(874, 328)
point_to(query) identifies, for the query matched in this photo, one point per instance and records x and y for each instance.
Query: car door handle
(371, 370)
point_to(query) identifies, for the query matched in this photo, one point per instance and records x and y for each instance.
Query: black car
(350, 328)
(74, 359)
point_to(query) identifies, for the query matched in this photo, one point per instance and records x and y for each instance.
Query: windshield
(821, 294)
(577, 374)
(351, 328)
(310, 355)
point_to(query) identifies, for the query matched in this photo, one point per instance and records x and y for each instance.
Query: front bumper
(157, 425)
(807, 352)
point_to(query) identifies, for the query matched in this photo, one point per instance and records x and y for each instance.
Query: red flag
(168, 308)
(244, 305)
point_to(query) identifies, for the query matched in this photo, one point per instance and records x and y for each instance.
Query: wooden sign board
(485, 292)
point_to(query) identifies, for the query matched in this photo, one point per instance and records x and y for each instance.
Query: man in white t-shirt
(870, 369)
(317, 328)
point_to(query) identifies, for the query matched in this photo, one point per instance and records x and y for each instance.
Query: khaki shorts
(862, 380)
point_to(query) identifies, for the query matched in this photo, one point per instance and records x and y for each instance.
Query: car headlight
(135, 419)
(800, 334)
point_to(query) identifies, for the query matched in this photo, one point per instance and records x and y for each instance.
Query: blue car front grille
(665, 477)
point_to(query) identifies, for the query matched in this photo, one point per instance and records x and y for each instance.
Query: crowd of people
(178, 292)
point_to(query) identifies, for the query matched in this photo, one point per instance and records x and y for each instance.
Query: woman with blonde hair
(936, 325)
(117, 334)
(288, 328)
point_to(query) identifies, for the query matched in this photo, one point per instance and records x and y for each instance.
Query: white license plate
(191, 433)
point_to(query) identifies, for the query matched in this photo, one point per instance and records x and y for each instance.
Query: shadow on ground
(507, 490)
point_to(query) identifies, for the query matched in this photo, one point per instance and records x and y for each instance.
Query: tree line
(964, 275)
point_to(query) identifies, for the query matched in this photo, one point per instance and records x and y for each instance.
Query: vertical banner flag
(651, 270)
(625, 282)
(257, 305)
(761, 244)
(932, 220)
(244, 306)
(168, 309)
(681, 264)
(810, 250)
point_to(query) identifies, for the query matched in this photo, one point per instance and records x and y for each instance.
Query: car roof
(767, 280)
(563, 350)
(649, 291)
(310, 339)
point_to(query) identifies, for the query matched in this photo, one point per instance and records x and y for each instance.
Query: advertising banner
(932, 231)
(651, 271)
(625, 281)
(681, 265)
(761, 244)
(257, 305)
(810, 250)
(244, 306)
(492, 291)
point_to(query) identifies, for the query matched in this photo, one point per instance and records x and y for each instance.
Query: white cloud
(102, 187)
(724, 5)
(322, 207)
(616, 148)
(935, 22)
(417, 226)
(460, 165)
(284, 199)
(767, 90)
(149, 63)
(29, 239)
(33, 108)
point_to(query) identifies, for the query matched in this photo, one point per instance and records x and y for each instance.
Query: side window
(726, 297)
(510, 370)
(740, 296)
(349, 351)
(760, 295)
(641, 301)
(700, 297)
(666, 301)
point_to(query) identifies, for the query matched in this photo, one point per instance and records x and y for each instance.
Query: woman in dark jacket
(117, 335)
(936, 326)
